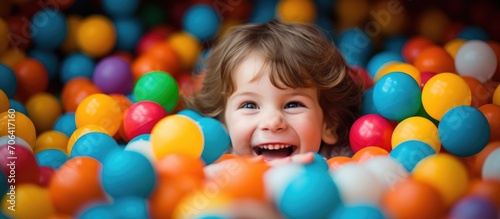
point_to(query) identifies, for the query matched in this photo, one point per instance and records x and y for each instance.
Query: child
(281, 89)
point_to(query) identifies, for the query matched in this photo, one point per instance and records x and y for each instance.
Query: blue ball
(202, 21)
(128, 174)
(8, 81)
(119, 8)
(355, 44)
(464, 131)
(191, 114)
(65, 124)
(97, 211)
(358, 211)
(48, 29)
(473, 33)
(263, 11)
(143, 137)
(410, 152)
(312, 194)
(48, 59)
(395, 43)
(367, 104)
(131, 97)
(380, 59)
(319, 163)
(52, 158)
(216, 139)
(130, 208)
(19, 107)
(128, 33)
(97, 145)
(397, 96)
(76, 65)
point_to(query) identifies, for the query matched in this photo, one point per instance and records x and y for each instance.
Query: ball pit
(94, 90)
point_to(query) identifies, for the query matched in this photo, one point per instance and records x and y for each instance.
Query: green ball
(160, 87)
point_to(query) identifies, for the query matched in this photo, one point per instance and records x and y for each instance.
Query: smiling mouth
(275, 151)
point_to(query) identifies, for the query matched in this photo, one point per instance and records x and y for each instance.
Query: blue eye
(294, 105)
(248, 105)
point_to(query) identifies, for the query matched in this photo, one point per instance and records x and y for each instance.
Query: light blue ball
(397, 96)
(76, 65)
(120, 8)
(263, 11)
(97, 145)
(143, 137)
(202, 21)
(8, 81)
(312, 194)
(128, 32)
(410, 152)
(97, 211)
(367, 104)
(319, 163)
(464, 131)
(130, 208)
(19, 107)
(473, 33)
(191, 114)
(355, 45)
(358, 211)
(48, 29)
(128, 174)
(216, 139)
(395, 43)
(65, 124)
(380, 59)
(48, 59)
(52, 158)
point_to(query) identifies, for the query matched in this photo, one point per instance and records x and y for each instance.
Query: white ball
(387, 170)
(491, 166)
(357, 185)
(143, 147)
(279, 177)
(476, 59)
(4, 140)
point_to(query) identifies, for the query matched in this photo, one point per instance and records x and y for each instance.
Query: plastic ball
(18, 107)
(80, 132)
(388, 170)
(51, 140)
(128, 33)
(358, 211)
(4, 102)
(395, 43)
(43, 109)
(492, 114)
(453, 46)
(496, 48)
(491, 166)
(96, 36)
(414, 46)
(367, 153)
(380, 59)
(159, 87)
(174, 165)
(187, 47)
(65, 124)
(20, 167)
(130, 167)
(487, 188)
(443, 92)
(471, 207)
(48, 28)
(202, 21)
(409, 153)
(412, 199)
(24, 126)
(141, 117)
(466, 137)
(118, 9)
(69, 45)
(371, 130)
(30, 201)
(263, 11)
(8, 81)
(399, 67)
(446, 174)
(164, 52)
(12, 56)
(52, 158)
(18, 141)
(367, 104)
(67, 183)
(434, 59)
(141, 146)
(476, 59)
(473, 33)
(101, 110)
(76, 65)
(496, 96)
(336, 162)
(432, 23)
(97, 145)
(480, 94)
(296, 11)
(97, 210)
(351, 13)
(49, 60)
(216, 140)
(152, 37)
(190, 113)
(397, 96)
(417, 128)
(4, 33)
(171, 135)
(113, 75)
(32, 77)
(356, 46)
(424, 77)
(350, 180)
(131, 207)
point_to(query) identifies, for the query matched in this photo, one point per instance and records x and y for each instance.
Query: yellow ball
(51, 140)
(11, 57)
(186, 46)
(101, 110)
(4, 31)
(302, 11)
(416, 128)
(70, 44)
(20, 125)
(351, 12)
(445, 173)
(453, 46)
(496, 96)
(4, 101)
(399, 67)
(44, 109)
(96, 36)
(31, 201)
(177, 134)
(443, 92)
(79, 132)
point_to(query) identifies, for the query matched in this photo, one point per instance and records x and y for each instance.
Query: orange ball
(164, 51)
(12, 56)
(488, 188)
(414, 46)
(76, 184)
(4, 102)
(187, 47)
(478, 159)
(173, 165)
(96, 35)
(367, 153)
(411, 199)
(32, 77)
(124, 104)
(44, 109)
(480, 94)
(70, 45)
(432, 24)
(101, 110)
(434, 59)
(75, 90)
(338, 161)
(147, 63)
(492, 113)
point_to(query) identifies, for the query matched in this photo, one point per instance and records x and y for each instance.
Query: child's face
(265, 120)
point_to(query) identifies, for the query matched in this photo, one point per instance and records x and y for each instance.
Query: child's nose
(274, 122)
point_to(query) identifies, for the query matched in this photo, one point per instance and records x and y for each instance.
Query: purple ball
(113, 75)
(473, 207)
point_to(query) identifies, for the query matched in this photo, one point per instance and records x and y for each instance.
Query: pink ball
(371, 130)
(141, 117)
(46, 174)
(425, 76)
(19, 164)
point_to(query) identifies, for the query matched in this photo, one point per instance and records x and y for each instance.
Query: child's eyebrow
(299, 93)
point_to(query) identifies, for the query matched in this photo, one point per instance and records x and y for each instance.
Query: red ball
(141, 117)
(414, 46)
(19, 164)
(424, 77)
(46, 174)
(371, 130)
